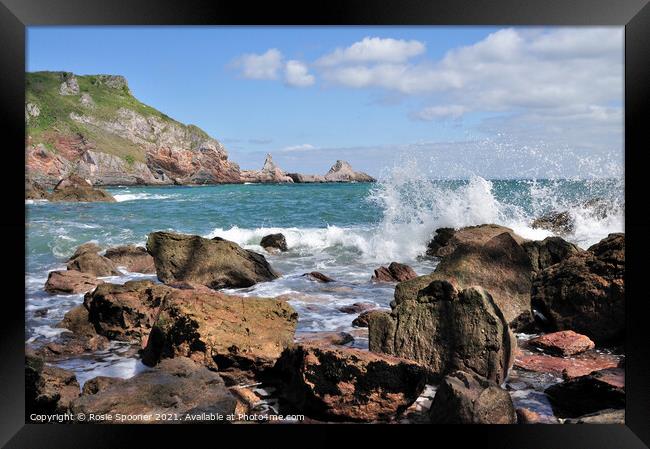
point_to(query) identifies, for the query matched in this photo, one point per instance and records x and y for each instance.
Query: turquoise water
(342, 230)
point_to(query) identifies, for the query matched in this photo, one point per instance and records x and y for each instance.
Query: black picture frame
(15, 15)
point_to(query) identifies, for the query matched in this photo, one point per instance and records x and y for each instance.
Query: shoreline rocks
(134, 258)
(48, 389)
(586, 292)
(467, 398)
(344, 384)
(69, 282)
(274, 242)
(76, 189)
(446, 330)
(564, 343)
(395, 272)
(270, 173)
(176, 386)
(215, 263)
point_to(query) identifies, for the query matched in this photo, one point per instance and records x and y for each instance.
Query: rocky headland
(93, 127)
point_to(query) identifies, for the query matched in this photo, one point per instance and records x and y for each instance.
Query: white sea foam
(121, 197)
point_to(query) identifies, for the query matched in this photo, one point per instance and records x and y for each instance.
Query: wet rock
(76, 189)
(547, 252)
(445, 240)
(557, 222)
(100, 383)
(125, 312)
(274, 241)
(586, 292)
(499, 264)
(528, 416)
(320, 277)
(467, 398)
(176, 386)
(301, 178)
(68, 282)
(609, 416)
(344, 384)
(446, 330)
(94, 264)
(604, 389)
(364, 318)
(215, 263)
(48, 389)
(135, 259)
(357, 307)
(220, 330)
(396, 272)
(564, 367)
(565, 343)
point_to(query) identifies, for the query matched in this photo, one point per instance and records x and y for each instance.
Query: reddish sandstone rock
(604, 389)
(396, 272)
(325, 338)
(92, 263)
(75, 188)
(344, 384)
(364, 318)
(528, 416)
(88, 247)
(134, 258)
(357, 307)
(564, 343)
(446, 240)
(564, 367)
(69, 282)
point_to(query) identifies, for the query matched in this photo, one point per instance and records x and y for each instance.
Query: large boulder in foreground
(446, 330)
(178, 386)
(395, 272)
(586, 292)
(217, 329)
(75, 188)
(48, 389)
(69, 282)
(604, 389)
(134, 258)
(466, 398)
(344, 384)
(499, 264)
(216, 263)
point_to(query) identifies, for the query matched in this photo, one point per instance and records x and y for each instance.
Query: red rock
(564, 367)
(563, 343)
(135, 258)
(357, 307)
(528, 416)
(325, 338)
(69, 282)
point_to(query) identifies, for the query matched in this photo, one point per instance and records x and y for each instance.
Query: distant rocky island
(92, 127)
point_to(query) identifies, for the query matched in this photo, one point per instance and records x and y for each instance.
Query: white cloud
(452, 111)
(260, 67)
(373, 49)
(297, 74)
(301, 147)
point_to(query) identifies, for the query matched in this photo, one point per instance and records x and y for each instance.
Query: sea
(345, 231)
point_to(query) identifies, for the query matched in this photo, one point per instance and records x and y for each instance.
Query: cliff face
(94, 127)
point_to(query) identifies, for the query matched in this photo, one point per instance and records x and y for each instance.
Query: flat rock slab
(565, 367)
(68, 282)
(563, 343)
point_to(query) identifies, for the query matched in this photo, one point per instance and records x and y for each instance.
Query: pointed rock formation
(270, 173)
(342, 171)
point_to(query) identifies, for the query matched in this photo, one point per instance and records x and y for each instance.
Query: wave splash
(413, 206)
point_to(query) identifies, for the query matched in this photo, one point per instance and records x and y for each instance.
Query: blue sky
(311, 95)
